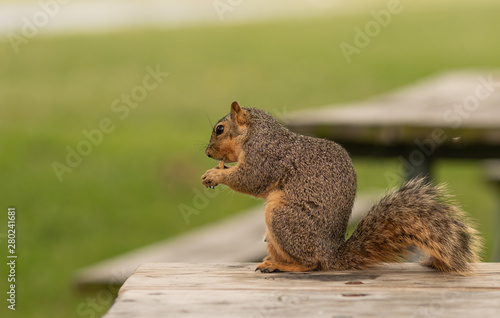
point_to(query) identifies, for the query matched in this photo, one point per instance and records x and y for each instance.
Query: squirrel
(309, 185)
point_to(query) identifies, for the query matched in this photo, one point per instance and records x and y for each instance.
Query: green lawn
(127, 191)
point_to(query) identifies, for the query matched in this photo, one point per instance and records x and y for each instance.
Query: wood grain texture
(235, 290)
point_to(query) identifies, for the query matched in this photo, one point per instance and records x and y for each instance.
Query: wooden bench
(206, 244)
(236, 290)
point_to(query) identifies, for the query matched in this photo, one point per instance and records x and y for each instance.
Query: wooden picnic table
(236, 290)
(450, 115)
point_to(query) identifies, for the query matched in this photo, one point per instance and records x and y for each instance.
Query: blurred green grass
(127, 192)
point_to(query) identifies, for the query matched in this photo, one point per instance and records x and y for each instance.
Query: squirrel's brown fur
(309, 185)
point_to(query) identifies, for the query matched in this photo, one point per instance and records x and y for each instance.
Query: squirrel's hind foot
(273, 267)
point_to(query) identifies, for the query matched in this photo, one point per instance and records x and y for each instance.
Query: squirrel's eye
(219, 130)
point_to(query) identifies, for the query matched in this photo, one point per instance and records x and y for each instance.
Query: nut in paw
(211, 178)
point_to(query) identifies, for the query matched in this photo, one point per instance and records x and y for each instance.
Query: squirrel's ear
(238, 114)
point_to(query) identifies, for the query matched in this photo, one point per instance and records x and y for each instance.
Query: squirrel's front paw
(212, 178)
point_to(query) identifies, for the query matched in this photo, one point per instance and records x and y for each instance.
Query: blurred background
(106, 108)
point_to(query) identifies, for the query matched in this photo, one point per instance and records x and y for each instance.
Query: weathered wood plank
(235, 290)
(401, 277)
(297, 303)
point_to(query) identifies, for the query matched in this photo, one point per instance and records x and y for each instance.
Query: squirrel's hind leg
(279, 261)
(287, 252)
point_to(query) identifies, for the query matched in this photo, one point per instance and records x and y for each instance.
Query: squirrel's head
(228, 135)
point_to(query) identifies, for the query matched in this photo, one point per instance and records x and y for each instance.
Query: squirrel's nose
(207, 153)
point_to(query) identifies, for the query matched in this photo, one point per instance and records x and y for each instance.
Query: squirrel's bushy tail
(418, 214)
